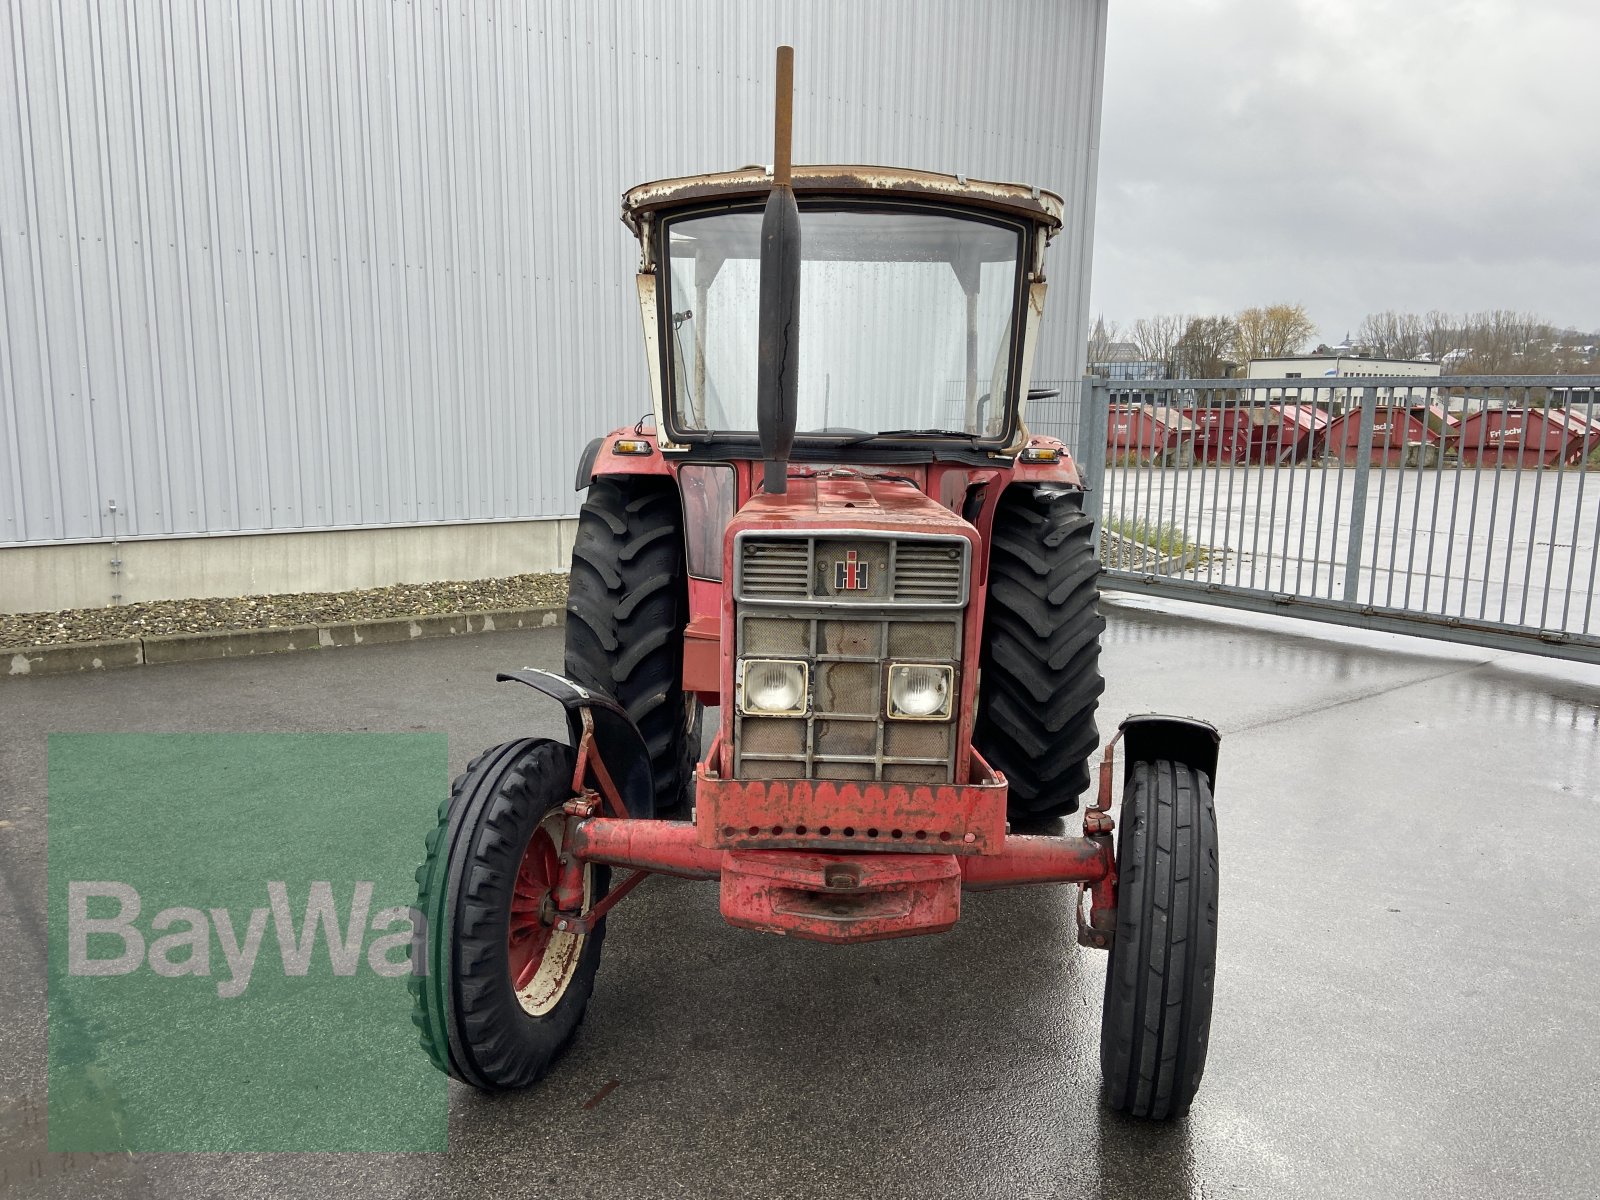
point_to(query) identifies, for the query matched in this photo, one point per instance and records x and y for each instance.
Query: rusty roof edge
(1034, 203)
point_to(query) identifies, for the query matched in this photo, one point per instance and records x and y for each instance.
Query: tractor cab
(919, 299)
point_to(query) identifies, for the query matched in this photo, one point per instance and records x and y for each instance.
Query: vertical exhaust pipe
(780, 296)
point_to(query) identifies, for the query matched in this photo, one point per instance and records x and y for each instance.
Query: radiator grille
(855, 569)
(770, 638)
(851, 639)
(853, 603)
(846, 735)
(928, 573)
(922, 641)
(775, 569)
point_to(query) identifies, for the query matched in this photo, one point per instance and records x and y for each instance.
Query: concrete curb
(66, 657)
(69, 657)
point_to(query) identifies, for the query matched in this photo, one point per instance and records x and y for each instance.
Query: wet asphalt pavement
(1408, 985)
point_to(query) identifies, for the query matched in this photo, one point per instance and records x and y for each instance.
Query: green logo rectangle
(231, 929)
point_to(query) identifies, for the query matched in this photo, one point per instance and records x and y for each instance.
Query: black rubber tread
(1157, 1017)
(627, 605)
(464, 1006)
(1041, 652)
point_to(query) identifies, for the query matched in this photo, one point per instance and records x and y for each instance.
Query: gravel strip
(1119, 553)
(20, 630)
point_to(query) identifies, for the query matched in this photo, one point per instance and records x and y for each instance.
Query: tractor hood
(835, 584)
(844, 500)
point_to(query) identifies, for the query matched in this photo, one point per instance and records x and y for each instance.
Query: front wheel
(1157, 1017)
(503, 991)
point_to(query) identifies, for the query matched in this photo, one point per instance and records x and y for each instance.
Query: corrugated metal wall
(307, 264)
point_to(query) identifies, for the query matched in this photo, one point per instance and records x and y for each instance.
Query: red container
(1394, 429)
(1286, 433)
(1220, 435)
(1145, 432)
(1526, 437)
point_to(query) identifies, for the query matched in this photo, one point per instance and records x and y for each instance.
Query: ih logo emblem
(850, 575)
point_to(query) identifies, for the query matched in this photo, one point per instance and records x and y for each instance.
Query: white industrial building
(1320, 368)
(320, 296)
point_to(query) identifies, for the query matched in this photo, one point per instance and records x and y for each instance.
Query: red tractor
(886, 587)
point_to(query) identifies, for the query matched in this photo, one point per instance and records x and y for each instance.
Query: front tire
(1157, 1018)
(503, 993)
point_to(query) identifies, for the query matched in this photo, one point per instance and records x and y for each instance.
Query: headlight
(920, 693)
(774, 687)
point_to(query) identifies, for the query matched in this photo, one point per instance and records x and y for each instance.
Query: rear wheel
(627, 605)
(1041, 652)
(504, 991)
(1157, 1018)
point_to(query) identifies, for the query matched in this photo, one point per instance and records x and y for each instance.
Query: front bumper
(840, 862)
(830, 816)
(841, 897)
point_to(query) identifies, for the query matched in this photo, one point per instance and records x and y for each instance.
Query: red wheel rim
(542, 960)
(529, 936)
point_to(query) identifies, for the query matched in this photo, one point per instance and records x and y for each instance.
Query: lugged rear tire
(627, 605)
(473, 1023)
(1041, 652)
(1157, 1017)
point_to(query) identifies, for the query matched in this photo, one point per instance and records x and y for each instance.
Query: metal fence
(1461, 508)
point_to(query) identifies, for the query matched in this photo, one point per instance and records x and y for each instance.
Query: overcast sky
(1352, 155)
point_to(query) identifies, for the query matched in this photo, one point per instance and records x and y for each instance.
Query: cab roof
(753, 183)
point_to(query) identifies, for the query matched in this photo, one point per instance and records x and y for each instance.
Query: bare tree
(1391, 335)
(1504, 342)
(1441, 333)
(1205, 350)
(1275, 331)
(1158, 339)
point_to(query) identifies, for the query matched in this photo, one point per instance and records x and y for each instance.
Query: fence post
(1093, 407)
(1358, 496)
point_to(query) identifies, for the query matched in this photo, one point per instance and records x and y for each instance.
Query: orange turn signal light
(631, 446)
(1041, 454)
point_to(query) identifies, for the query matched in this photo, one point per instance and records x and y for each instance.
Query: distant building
(1122, 360)
(1121, 363)
(1579, 401)
(1319, 368)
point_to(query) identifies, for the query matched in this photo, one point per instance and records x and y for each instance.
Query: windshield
(906, 322)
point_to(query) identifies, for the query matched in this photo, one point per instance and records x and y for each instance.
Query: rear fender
(586, 464)
(616, 740)
(1063, 470)
(607, 461)
(1186, 740)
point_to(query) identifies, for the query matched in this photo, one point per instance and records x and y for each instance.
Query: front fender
(1150, 736)
(617, 739)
